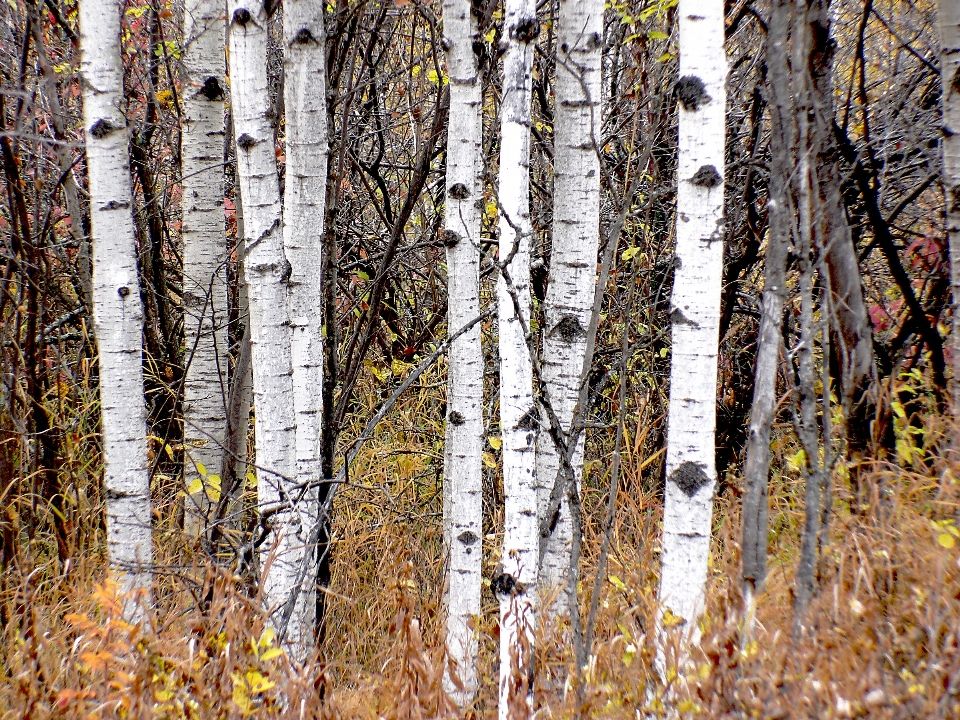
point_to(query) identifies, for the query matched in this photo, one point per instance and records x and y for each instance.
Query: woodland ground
(883, 638)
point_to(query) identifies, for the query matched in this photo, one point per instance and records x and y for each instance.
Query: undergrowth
(881, 639)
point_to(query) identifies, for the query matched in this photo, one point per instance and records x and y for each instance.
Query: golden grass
(882, 638)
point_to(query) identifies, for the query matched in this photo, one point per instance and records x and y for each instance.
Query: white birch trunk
(204, 257)
(949, 17)
(267, 271)
(691, 471)
(305, 104)
(117, 306)
(516, 578)
(462, 470)
(573, 262)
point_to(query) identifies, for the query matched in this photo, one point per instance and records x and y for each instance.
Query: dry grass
(881, 639)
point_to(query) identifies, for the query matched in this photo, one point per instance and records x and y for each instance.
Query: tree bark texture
(118, 312)
(204, 258)
(305, 104)
(463, 465)
(695, 316)
(573, 262)
(268, 273)
(756, 467)
(516, 579)
(949, 20)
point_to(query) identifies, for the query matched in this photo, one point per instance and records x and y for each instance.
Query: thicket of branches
(385, 305)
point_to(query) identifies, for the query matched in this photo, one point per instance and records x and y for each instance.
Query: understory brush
(882, 638)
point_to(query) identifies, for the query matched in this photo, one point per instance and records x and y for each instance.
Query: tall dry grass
(881, 639)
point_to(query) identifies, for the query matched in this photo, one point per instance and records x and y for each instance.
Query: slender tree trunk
(268, 272)
(515, 581)
(573, 262)
(756, 468)
(463, 467)
(305, 103)
(949, 18)
(691, 472)
(853, 337)
(118, 312)
(204, 259)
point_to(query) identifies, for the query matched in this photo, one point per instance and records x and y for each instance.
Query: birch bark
(305, 103)
(464, 429)
(118, 309)
(268, 272)
(573, 261)
(204, 256)
(515, 581)
(691, 472)
(949, 20)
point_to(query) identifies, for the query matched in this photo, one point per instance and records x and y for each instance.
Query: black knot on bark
(457, 418)
(569, 329)
(955, 81)
(595, 41)
(123, 291)
(211, 89)
(450, 238)
(529, 421)
(445, 44)
(692, 92)
(505, 584)
(526, 30)
(459, 191)
(689, 477)
(101, 128)
(707, 176)
(241, 16)
(246, 142)
(467, 537)
(304, 36)
(678, 318)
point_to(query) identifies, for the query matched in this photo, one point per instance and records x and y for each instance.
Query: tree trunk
(756, 467)
(204, 259)
(268, 272)
(118, 312)
(305, 103)
(949, 20)
(514, 583)
(573, 262)
(463, 467)
(691, 472)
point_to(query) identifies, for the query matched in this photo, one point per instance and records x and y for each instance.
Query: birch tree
(515, 581)
(303, 216)
(949, 21)
(463, 466)
(204, 257)
(268, 273)
(117, 306)
(573, 261)
(695, 311)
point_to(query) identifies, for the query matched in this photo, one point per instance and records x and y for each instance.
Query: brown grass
(881, 639)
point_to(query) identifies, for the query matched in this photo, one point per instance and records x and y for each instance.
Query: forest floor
(882, 639)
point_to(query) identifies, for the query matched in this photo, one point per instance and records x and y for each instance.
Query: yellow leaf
(213, 488)
(947, 541)
(201, 468)
(271, 654)
(258, 683)
(496, 442)
(670, 619)
(195, 486)
(617, 583)
(251, 479)
(267, 638)
(489, 461)
(491, 34)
